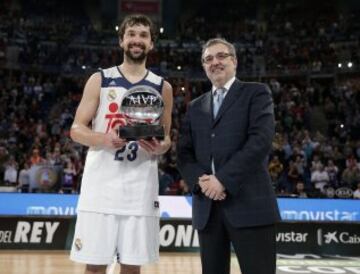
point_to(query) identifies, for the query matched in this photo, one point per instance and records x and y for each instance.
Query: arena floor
(56, 262)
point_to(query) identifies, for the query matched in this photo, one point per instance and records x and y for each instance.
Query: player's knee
(95, 269)
(130, 269)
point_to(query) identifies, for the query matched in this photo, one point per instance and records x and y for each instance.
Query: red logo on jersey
(114, 118)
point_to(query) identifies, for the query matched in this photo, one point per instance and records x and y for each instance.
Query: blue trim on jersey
(132, 84)
(148, 83)
(115, 82)
(121, 81)
(102, 76)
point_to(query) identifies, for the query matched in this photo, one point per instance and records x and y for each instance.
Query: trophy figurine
(142, 107)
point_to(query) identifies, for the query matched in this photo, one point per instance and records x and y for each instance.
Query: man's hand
(154, 146)
(112, 140)
(211, 187)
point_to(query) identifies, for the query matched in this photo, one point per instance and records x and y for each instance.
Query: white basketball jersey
(119, 181)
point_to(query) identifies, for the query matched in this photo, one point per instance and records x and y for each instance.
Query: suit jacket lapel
(229, 99)
(207, 106)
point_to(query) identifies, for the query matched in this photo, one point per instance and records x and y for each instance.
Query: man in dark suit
(222, 155)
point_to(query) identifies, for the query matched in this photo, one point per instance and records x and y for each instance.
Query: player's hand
(212, 188)
(154, 146)
(112, 140)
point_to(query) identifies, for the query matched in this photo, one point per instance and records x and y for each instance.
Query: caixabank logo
(327, 237)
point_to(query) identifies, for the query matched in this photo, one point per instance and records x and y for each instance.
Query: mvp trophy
(142, 107)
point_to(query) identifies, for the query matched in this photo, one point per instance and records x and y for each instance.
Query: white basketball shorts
(100, 238)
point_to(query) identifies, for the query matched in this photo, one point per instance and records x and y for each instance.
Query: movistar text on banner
(181, 206)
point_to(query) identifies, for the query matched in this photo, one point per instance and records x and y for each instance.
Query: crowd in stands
(46, 58)
(277, 41)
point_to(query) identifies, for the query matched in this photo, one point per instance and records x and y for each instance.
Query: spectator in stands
(300, 190)
(350, 159)
(319, 177)
(4, 155)
(69, 176)
(333, 172)
(165, 180)
(300, 165)
(35, 158)
(275, 169)
(24, 178)
(293, 176)
(183, 189)
(350, 176)
(11, 172)
(316, 163)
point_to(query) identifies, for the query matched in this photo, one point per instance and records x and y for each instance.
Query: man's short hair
(137, 19)
(215, 41)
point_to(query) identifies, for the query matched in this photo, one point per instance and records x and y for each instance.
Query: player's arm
(80, 130)
(154, 146)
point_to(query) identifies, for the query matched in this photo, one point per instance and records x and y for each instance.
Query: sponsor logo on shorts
(156, 204)
(78, 244)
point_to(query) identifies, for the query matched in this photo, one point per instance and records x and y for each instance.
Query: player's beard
(137, 59)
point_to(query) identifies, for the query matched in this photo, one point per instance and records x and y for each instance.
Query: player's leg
(138, 242)
(95, 241)
(95, 269)
(129, 269)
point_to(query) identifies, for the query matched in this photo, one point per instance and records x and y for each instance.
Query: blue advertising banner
(37, 204)
(319, 209)
(180, 207)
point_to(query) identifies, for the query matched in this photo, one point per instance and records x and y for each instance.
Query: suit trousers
(255, 247)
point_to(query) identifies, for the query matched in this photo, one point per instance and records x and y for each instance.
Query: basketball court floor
(57, 262)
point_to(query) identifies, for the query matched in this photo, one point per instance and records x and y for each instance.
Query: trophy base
(146, 132)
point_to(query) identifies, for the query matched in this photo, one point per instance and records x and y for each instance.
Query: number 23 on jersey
(127, 152)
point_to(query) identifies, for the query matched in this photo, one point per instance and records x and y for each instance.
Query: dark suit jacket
(239, 140)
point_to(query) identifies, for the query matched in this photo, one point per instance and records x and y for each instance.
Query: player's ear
(121, 43)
